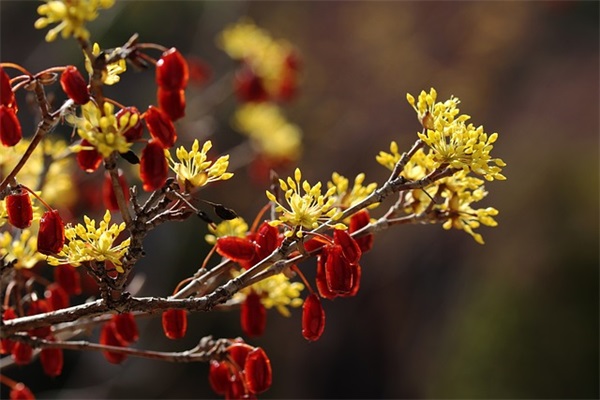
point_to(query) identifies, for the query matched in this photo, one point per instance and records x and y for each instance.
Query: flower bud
(153, 166)
(7, 96)
(236, 248)
(267, 240)
(68, 278)
(253, 316)
(52, 360)
(56, 297)
(6, 345)
(356, 272)
(88, 160)
(51, 236)
(109, 338)
(313, 318)
(321, 279)
(39, 307)
(74, 85)
(160, 126)
(130, 117)
(172, 70)
(10, 127)
(218, 376)
(248, 86)
(174, 323)
(172, 102)
(108, 193)
(257, 371)
(21, 353)
(338, 272)
(238, 352)
(358, 221)
(126, 328)
(350, 249)
(21, 392)
(19, 209)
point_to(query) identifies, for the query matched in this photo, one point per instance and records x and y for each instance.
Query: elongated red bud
(314, 244)
(172, 102)
(108, 193)
(248, 86)
(130, 117)
(356, 272)
(313, 318)
(321, 279)
(350, 249)
(267, 240)
(68, 278)
(218, 376)
(236, 248)
(10, 127)
(174, 323)
(239, 352)
(358, 221)
(89, 159)
(21, 392)
(52, 360)
(257, 371)
(253, 316)
(56, 297)
(51, 236)
(21, 353)
(338, 272)
(153, 166)
(236, 388)
(126, 328)
(7, 96)
(19, 209)
(6, 345)
(74, 85)
(109, 338)
(160, 126)
(172, 71)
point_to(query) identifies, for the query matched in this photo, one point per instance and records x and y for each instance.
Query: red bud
(218, 376)
(321, 279)
(74, 85)
(338, 272)
(357, 221)
(21, 392)
(239, 352)
(172, 70)
(126, 328)
(267, 240)
(174, 323)
(21, 353)
(56, 297)
(160, 126)
(153, 166)
(313, 318)
(236, 248)
(52, 361)
(19, 209)
(88, 160)
(253, 315)
(7, 96)
(10, 127)
(248, 86)
(68, 277)
(109, 338)
(51, 236)
(172, 102)
(257, 371)
(350, 249)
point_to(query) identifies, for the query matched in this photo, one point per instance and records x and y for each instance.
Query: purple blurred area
(437, 315)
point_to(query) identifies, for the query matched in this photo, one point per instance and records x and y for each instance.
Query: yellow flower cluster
(346, 197)
(305, 210)
(233, 227)
(246, 41)
(193, 168)
(21, 247)
(101, 128)
(276, 291)
(70, 15)
(111, 75)
(88, 243)
(270, 132)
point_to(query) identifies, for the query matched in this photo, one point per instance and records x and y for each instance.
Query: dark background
(437, 316)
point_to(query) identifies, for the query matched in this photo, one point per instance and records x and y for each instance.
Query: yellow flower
(346, 197)
(70, 15)
(233, 227)
(111, 75)
(88, 243)
(194, 169)
(305, 210)
(276, 291)
(270, 132)
(101, 128)
(22, 248)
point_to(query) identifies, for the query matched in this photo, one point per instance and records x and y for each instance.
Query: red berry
(313, 318)
(172, 70)
(126, 328)
(153, 166)
(218, 376)
(253, 316)
(56, 296)
(51, 236)
(160, 126)
(21, 353)
(134, 132)
(68, 277)
(19, 209)
(172, 102)
(88, 160)
(108, 193)
(10, 127)
(52, 361)
(7, 96)
(236, 248)
(174, 323)
(74, 85)
(21, 392)
(257, 371)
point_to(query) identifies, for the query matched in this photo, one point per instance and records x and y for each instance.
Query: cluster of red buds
(121, 330)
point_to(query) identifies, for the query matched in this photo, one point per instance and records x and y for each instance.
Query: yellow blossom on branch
(232, 227)
(110, 76)
(347, 197)
(70, 15)
(304, 211)
(194, 168)
(22, 248)
(88, 243)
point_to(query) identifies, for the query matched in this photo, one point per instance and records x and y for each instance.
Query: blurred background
(438, 315)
